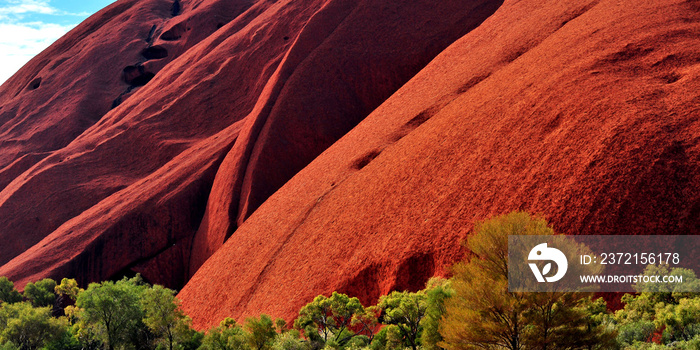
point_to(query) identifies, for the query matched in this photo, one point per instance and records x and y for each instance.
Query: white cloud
(17, 9)
(23, 36)
(13, 10)
(23, 41)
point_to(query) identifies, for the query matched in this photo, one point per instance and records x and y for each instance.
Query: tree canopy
(484, 314)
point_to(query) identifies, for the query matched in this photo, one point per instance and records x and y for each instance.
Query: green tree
(28, 327)
(112, 311)
(565, 321)
(8, 346)
(67, 341)
(68, 288)
(290, 341)
(404, 310)
(380, 340)
(366, 322)
(162, 314)
(438, 290)
(600, 331)
(66, 294)
(42, 293)
(483, 313)
(191, 339)
(635, 332)
(260, 332)
(281, 326)
(227, 336)
(681, 322)
(327, 319)
(665, 312)
(8, 293)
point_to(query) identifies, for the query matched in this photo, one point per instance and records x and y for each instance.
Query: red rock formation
(265, 85)
(586, 112)
(158, 133)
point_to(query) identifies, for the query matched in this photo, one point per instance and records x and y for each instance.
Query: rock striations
(260, 153)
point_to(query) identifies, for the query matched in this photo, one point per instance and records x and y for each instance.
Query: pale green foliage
(260, 332)
(358, 342)
(438, 290)
(634, 332)
(328, 319)
(29, 327)
(111, 311)
(404, 310)
(665, 309)
(290, 341)
(670, 292)
(41, 293)
(677, 290)
(8, 346)
(163, 316)
(68, 288)
(227, 336)
(681, 321)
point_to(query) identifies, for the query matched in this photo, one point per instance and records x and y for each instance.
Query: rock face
(585, 112)
(265, 152)
(115, 136)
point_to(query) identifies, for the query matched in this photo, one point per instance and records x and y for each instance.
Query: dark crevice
(149, 38)
(175, 9)
(58, 63)
(414, 272)
(629, 52)
(174, 33)
(143, 79)
(34, 84)
(363, 161)
(420, 118)
(117, 101)
(137, 75)
(671, 78)
(154, 52)
(515, 55)
(120, 98)
(429, 112)
(472, 82)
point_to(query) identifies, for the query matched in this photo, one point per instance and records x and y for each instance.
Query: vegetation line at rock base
(473, 309)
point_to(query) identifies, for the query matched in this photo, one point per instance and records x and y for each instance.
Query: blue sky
(29, 26)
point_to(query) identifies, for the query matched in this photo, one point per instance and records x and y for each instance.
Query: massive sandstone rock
(585, 112)
(158, 133)
(114, 137)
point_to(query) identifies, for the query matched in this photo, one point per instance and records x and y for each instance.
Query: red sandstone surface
(267, 152)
